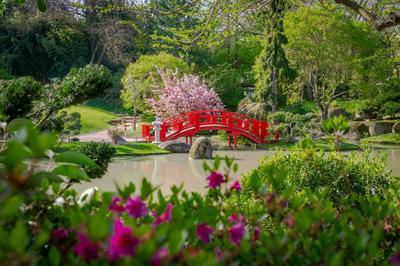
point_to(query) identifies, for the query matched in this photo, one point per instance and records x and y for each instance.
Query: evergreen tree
(272, 67)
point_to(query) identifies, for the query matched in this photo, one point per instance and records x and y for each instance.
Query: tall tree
(272, 66)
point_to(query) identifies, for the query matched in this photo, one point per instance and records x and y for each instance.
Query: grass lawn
(92, 119)
(131, 149)
(392, 138)
(321, 144)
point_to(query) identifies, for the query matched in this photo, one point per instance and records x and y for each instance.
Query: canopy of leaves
(142, 77)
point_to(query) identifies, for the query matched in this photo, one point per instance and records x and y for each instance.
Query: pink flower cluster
(135, 207)
(122, 242)
(180, 95)
(215, 180)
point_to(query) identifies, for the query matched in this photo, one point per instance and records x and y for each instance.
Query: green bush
(101, 154)
(17, 96)
(282, 122)
(391, 108)
(339, 174)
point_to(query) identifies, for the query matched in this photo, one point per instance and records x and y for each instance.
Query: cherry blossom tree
(184, 94)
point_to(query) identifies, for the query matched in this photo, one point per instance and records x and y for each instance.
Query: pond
(175, 169)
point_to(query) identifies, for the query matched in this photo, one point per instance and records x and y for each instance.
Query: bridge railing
(188, 124)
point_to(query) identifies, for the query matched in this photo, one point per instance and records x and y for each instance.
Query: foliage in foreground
(41, 222)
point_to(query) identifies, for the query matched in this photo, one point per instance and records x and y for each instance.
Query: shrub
(84, 83)
(339, 174)
(101, 154)
(286, 121)
(17, 96)
(115, 134)
(391, 108)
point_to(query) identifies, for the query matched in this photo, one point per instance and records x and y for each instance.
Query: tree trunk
(274, 90)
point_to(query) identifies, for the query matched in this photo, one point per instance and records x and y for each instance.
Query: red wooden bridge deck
(189, 124)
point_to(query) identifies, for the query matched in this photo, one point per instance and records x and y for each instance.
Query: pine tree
(272, 67)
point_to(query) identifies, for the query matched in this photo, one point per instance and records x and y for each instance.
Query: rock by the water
(175, 146)
(380, 127)
(396, 128)
(357, 131)
(201, 149)
(336, 112)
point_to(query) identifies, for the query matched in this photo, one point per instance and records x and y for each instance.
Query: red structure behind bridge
(189, 124)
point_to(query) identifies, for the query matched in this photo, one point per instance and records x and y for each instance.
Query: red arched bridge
(190, 123)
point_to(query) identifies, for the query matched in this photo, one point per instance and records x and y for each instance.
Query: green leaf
(54, 256)
(146, 189)
(71, 171)
(75, 158)
(10, 207)
(98, 227)
(42, 5)
(18, 238)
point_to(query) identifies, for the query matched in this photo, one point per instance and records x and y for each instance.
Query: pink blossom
(116, 205)
(136, 207)
(158, 257)
(166, 216)
(203, 232)
(256, 234)
(179, 95)
(215, 180)
(122, 242)
(60, 234)
(236, 186)
(235, 218)
(395, 259)
(86, 248)
(236, 233)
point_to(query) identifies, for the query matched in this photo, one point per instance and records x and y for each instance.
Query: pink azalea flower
(235, 218)
(158, 257)
(236, 233)
(86, 248)
(122, 242)
(236, 186)
(166, 216)
(116, 205)
(136, 207)
(59, 234)
(395, 259)
(256, 234)
(203, 232)
(215, 180)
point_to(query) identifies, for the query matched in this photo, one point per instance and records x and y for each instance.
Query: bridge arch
(190, 123)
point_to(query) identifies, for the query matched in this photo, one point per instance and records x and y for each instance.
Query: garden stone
(201, 149)
(358, 131)
(175, 146)
(396, 128)
(336, 112)
(121, 140)
(380, 127)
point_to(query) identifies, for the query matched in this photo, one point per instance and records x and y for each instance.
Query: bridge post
(157, 128)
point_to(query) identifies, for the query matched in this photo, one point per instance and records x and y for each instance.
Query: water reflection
(175, 169)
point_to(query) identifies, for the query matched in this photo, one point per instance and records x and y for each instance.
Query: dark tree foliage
(273, 67)
(17, 96)
(40, 48)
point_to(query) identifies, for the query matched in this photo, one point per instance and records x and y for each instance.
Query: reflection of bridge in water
(190, 123)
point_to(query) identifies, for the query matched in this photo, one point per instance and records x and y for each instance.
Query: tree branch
(380, 23)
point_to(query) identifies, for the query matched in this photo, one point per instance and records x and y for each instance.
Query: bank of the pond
(131, 149)
(387, 139)
(321, 144)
